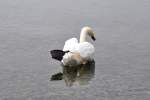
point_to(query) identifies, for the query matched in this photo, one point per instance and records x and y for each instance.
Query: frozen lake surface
(29, 28)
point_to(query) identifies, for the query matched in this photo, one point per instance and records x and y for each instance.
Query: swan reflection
(80, 75)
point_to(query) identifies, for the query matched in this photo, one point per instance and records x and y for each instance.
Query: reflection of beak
(93, 38)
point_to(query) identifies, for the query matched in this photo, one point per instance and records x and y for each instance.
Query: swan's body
(74, 52)
(80, 52)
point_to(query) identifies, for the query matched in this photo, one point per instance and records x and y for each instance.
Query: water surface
(29, 28)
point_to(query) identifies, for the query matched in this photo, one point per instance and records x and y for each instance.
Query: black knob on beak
(93, 38)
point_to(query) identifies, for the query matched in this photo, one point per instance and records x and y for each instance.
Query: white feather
(70, 45)
(79, 52)
(86, 50)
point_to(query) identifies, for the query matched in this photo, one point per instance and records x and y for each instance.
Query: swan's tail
(58, 54)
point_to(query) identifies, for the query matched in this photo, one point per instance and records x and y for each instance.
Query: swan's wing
(86, 50)
(71, 45)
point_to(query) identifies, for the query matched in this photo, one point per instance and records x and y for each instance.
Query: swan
(74, 52)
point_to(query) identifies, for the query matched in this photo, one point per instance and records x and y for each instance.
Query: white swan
(74, 52)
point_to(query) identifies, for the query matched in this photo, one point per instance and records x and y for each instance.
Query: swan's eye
(93, 38)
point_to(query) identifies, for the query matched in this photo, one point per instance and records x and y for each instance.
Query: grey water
(29, 28)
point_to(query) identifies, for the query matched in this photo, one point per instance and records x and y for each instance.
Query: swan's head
(89, 32)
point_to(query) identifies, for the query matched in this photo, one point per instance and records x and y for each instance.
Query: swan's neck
(83, 36)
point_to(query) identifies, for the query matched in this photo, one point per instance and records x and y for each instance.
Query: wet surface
(29, 28)
(79, 75)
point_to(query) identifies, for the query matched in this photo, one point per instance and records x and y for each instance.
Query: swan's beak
(93, 38)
